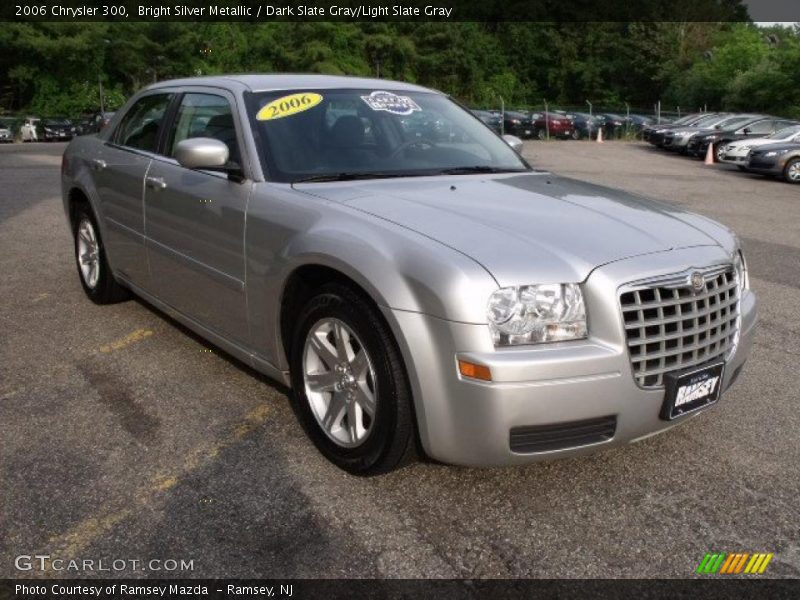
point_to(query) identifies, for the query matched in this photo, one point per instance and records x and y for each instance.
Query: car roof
(285, 81)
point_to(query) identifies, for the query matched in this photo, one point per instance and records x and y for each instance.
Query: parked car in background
(57, 129)
(777, 160)
(556, 125)
(412, 294)
(518, 123)
(492, 119)
(736, 152)
(636, 123)
(29, 130)
(678, 139)
(6, 130)
(655, 133)
(612, 124)
(584, 125)
(753, 126)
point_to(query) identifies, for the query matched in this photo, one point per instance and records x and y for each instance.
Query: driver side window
(140, 127)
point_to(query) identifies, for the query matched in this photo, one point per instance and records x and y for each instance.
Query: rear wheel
(350, 389)
(541, 134)
(791, 171)
(96, 278)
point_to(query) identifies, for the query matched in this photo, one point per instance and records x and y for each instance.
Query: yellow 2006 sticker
(286, 106)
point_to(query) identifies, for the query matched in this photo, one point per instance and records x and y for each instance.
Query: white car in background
(736, 152)
(28, 130)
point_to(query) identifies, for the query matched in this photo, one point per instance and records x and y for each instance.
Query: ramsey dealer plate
(688, 391)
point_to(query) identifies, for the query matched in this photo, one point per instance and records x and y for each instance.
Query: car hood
(534, 227)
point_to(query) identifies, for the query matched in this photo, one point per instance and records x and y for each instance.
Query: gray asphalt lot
(123, 436)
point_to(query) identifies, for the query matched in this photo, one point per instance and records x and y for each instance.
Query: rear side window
(204, 115)
(765, 126)
(140, 126)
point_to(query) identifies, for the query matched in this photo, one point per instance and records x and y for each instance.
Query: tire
(93, 271)
(791, 172)
(541, 134)
(338, 317)
(719, 151)
(741, 168)
(576, 135)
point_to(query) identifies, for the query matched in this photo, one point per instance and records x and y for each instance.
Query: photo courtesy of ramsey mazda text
(421, 289)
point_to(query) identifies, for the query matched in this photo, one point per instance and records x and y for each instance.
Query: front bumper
(773, 165)
(469, 422)
(734, 158)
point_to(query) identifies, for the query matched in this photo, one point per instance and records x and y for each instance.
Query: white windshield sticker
(397, 105)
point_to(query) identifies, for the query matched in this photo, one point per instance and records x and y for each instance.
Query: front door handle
(155, 183)
(98, 164)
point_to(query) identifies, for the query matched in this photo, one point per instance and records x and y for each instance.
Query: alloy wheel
(340, 382)
(88, 250)
(793, 171)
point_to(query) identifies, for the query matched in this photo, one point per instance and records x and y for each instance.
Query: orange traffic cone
(709, 154)
(600, 135)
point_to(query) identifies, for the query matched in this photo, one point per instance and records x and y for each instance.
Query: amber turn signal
(468, 369)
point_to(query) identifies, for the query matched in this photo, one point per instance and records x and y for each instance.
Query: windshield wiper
(348, 176)
(478, 169)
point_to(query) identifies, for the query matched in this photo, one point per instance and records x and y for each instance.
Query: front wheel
(350, 389)
(791, 172)
(96, 278)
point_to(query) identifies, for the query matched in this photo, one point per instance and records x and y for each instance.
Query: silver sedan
(416, 283)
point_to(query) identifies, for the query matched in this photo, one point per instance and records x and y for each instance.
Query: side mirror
(746, 131)
(202, 153)
(514, 142)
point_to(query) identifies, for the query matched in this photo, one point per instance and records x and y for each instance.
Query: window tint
(204, 115)
(139, 127)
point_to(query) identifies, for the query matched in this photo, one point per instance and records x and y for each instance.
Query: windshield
(313, 134)
(786, 133)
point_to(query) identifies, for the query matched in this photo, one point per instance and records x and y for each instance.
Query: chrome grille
(669, 326)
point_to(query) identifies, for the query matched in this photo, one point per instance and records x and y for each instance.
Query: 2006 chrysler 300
(402, 268)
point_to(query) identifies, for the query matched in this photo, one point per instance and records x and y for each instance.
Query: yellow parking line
(74, 541)
(124, 342)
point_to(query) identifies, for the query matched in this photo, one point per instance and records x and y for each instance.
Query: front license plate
(691, 390)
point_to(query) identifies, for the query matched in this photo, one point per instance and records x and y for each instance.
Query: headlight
(48, 130)
(532, 314)
(742, 148)
(740, 266)
(776, 152)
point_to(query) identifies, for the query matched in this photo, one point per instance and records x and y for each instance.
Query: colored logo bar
(732, 563)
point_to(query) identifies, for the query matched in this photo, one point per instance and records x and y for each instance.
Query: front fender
(400, 269)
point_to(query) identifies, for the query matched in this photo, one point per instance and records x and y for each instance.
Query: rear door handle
(156, 183)
(98, 164)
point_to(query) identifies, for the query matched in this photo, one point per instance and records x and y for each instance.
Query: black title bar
(368, 11)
